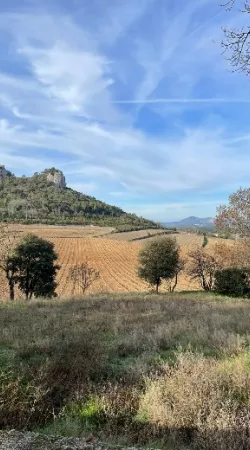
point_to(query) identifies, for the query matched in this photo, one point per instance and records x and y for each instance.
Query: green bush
(233, 282)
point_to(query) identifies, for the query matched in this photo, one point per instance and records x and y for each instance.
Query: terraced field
(115, 258)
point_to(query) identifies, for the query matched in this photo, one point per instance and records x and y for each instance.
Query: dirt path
(14, 440)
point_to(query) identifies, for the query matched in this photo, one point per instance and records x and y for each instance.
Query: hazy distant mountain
(192, 222)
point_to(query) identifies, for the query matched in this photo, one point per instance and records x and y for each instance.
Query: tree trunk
(11, 288)
(157, 286)
(27, 290)
(175, 284)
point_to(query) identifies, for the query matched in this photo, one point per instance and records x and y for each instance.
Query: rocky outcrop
(57, 177)
(3, 173)
(52, 175)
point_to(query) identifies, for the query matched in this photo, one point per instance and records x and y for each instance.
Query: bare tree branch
(236, 44)
(235, 218)
(202, 267)
(84, 276)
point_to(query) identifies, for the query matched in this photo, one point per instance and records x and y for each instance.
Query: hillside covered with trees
(44, 198)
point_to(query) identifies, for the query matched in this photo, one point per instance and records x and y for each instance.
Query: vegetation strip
(153, 235)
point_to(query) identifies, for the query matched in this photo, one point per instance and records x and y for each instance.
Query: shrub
(205, 240)
(233, 282)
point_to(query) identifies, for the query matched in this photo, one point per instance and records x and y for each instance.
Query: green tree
(159, 260)
(35, 259)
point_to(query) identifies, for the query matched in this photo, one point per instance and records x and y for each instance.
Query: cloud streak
(181, 100)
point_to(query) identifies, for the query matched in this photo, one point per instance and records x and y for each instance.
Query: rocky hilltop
(45, 198)
(53, 175)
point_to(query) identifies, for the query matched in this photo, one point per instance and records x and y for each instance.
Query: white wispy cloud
(187, 52)
(74, 77)
(64, 101)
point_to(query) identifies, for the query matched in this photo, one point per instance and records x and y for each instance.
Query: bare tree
(84, 276)
(8, 239)
(203, 267)
(235, 218)
(236, 43)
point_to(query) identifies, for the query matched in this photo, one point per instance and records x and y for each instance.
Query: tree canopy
(159, 260)
(34, 262)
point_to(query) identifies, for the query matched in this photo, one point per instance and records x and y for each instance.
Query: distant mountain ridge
(192, 222)
(45, 198)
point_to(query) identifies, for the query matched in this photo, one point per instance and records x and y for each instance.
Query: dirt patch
(14, 440)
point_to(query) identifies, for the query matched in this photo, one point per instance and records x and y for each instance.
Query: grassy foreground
(171, 371)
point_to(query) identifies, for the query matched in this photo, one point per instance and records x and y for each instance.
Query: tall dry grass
(201, 401)
(171, 368)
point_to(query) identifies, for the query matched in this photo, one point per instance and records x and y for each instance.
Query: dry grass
(171, 369)
(207, 401)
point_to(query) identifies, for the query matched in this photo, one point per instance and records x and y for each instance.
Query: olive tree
(159, 260)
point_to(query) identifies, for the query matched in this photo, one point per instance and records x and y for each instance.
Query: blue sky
(132, 99)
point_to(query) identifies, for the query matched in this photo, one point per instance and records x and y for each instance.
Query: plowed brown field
(115, 259)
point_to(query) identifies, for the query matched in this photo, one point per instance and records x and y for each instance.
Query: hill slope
(44, 198)
(193, 222)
